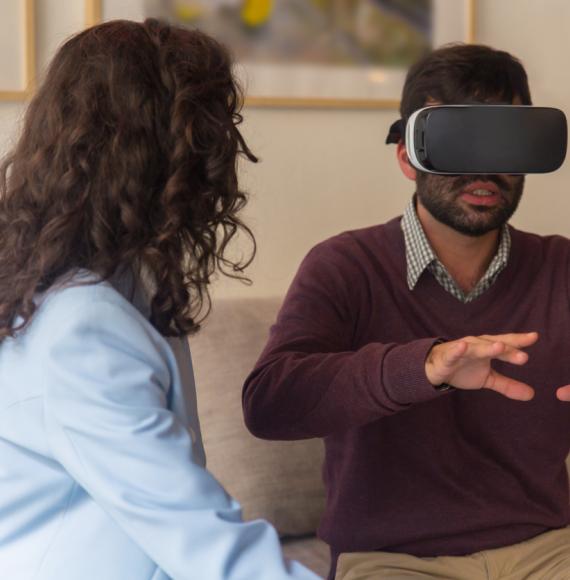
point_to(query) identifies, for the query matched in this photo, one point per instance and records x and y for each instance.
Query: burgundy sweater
(409, 469)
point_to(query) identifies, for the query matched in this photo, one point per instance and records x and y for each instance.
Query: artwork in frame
(325, 53)
(17, 38)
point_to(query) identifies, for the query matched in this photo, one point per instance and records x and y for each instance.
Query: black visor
(485, 139)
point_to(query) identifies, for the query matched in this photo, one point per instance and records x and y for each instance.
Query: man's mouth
(482, 193)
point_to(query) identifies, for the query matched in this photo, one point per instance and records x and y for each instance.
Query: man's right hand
(466, 363)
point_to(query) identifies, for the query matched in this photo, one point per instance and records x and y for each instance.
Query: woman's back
(67, 534)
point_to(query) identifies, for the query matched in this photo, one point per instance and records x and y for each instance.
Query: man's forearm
(298, 395)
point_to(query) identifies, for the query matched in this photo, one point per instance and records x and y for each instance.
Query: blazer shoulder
(72, 297)
(95, 305)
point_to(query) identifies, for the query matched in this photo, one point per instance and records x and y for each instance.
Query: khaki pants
(546, 557)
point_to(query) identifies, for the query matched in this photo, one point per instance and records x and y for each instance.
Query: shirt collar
(420, 254)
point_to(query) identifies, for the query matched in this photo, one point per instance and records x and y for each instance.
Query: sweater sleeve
(309, 382)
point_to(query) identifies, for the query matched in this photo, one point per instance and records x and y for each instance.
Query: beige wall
(322, 172)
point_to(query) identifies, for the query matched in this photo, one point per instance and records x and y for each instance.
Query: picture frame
(28, 59)
(92, 12)
(348, 87)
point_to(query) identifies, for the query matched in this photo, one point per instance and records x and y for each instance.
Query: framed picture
(17, 39)
(315, 53)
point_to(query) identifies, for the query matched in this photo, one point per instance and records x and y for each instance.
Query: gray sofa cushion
(277, 481)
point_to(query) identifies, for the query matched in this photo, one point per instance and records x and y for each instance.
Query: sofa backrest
(277, 481)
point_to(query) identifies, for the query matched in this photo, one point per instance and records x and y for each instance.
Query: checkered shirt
(420, 255)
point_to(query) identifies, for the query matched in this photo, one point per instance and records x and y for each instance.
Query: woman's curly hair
(127, 158)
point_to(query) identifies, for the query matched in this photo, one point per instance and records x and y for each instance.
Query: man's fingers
(481, 349)
(513, 356)
(563, 393)
(509, 387)
(513, 339)
(454, 352)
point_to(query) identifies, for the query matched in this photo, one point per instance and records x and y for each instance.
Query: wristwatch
(444, 387)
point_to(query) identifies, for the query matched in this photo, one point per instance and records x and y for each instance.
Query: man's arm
(310, 382)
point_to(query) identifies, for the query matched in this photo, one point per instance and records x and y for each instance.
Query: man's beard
(440, 195)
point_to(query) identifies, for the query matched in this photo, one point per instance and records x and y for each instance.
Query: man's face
(470, 204)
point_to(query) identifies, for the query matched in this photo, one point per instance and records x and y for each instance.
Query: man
(424, 480)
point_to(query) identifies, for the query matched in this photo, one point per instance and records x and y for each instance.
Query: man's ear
(405, 165)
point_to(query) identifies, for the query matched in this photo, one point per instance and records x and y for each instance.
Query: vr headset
(484, 139)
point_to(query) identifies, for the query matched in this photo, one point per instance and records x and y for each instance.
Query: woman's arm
(107, 381)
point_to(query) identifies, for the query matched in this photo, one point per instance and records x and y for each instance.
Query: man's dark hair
(463, 73)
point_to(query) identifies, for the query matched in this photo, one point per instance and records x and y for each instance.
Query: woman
(116, 207)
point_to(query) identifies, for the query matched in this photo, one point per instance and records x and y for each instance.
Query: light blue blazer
(102, 471)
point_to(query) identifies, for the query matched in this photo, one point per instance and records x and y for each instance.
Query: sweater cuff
(404, 376)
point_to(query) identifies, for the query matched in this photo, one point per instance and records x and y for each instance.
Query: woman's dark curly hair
(127, 158)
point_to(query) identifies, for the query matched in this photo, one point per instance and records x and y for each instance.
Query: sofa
(278, 481)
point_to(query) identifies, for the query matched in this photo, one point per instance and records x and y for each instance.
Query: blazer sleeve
(107, 382)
